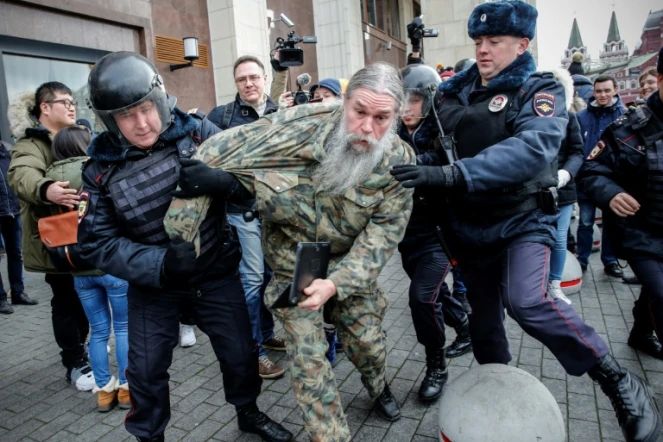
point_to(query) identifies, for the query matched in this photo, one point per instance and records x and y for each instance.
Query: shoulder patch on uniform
(597, 150)
(83, 205)
(544, 104)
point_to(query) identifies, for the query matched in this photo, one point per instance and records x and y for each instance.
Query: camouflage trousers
(359, 323)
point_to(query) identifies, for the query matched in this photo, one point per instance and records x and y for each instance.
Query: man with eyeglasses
(249, 105)
(34, 120)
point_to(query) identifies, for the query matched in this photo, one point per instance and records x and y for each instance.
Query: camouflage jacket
(274, 159)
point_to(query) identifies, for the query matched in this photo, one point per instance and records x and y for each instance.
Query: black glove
(449, 177)
(180, 259)
(197, 178)
(415, 32)
(276, 65)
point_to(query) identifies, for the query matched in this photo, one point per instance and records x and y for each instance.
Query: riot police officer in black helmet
(464, 64)
(424, 260)
(128, 187)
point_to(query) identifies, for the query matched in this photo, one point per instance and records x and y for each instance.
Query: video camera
(419, 31)
(289, 53)
(302, 96)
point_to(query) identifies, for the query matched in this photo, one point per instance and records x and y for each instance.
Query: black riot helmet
(464, 64)
(422, 80)
(121, 81)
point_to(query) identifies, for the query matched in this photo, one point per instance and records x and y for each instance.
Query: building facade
(626, 69)
(60, 40)
(350, 34)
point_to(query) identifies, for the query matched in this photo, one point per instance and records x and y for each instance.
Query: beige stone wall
(237, 27)
(30, 20)
(340, 48)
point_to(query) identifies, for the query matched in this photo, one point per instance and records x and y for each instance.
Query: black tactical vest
(477, 127)
(141, 194)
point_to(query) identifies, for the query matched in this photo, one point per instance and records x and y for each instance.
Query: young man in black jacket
(128, 187)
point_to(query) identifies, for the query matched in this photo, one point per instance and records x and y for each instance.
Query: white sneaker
(555, 291)
(187, 336)
(82, 378)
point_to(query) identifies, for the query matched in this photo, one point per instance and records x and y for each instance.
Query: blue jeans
(558, 253)
(95, 293)
(459, 285)
(586, 236)
(252, 271)
(10, 228)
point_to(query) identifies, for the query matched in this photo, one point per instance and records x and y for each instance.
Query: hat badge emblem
(483, 18)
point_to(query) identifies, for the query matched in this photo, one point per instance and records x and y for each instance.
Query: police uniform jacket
(626, 159)
(126, 193)
(507, 136)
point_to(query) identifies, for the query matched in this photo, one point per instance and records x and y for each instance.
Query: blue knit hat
(503, 17)
(328, 83)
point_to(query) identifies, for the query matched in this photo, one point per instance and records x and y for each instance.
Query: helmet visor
(418, 102)
(145, 119)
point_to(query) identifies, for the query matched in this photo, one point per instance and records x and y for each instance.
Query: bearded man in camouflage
(319, 173)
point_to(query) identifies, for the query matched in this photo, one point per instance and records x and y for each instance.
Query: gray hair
(380, 77)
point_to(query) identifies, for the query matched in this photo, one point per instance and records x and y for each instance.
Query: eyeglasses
(252, 78)
(67, 103)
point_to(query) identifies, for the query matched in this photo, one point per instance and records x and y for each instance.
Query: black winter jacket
(8, 199)
(420, 232)
(112, 246)
(242, 114)
(570, 158)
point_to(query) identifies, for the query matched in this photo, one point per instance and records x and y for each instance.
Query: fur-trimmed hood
(21, 121)
(514, 75)
(105, 147)
(564, 77)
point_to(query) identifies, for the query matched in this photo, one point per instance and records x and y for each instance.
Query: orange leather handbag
(59, 233)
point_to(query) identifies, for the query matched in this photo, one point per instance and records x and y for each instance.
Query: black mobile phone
(311, 262)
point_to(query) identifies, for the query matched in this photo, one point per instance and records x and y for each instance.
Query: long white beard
(348, 163)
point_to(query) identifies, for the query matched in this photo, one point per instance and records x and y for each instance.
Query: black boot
(5, 308)
(462, 298)
(645, 342)
(631, 397)
(462, 344)
(252, 420)
(387, 406)
(159, 438)
(436, 375)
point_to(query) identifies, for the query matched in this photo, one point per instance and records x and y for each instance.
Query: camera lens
(301, 97)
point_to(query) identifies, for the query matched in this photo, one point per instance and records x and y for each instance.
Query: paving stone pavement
(36, 404)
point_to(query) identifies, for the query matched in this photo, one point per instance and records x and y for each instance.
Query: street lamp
(190, 53)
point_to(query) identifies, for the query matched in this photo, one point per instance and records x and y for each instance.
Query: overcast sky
(556, 18)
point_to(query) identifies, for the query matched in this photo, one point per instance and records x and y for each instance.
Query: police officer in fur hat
(504, 124)
(623, 175)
